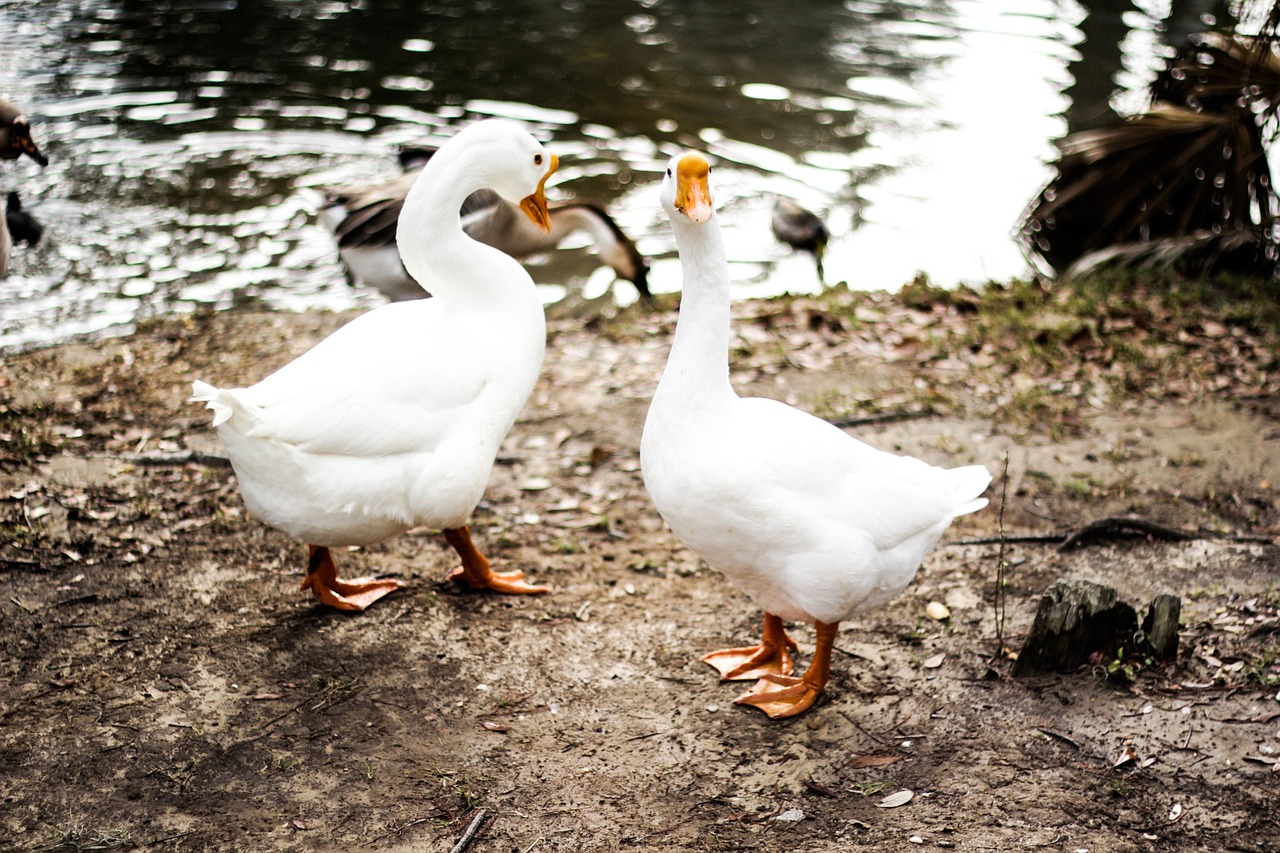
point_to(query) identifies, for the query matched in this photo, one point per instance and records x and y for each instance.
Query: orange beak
(693, 194)
(535, 206)
(22, 143)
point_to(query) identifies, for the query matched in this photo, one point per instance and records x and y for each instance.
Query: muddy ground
(167, 687)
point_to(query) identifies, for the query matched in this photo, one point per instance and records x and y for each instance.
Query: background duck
(23, 227)
(393, 421)
(363, 220)
(800, 228)
(813, 524)
(15, 141)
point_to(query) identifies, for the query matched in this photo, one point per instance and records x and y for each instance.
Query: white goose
(394, 420)
(363, 221)
(813, 524)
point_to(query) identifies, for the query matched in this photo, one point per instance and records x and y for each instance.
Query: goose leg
(780, 696)
(322, 580)
(771, 657)
(475, 571)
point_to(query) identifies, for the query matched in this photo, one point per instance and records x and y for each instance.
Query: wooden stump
(1079, 621)
(1076, 619)
(1161, 626)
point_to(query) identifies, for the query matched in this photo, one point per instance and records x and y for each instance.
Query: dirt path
(167, 687)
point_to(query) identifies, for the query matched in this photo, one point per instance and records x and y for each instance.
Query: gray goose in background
(15, 140)
(363, 220)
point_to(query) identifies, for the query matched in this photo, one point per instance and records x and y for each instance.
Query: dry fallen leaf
(495, 727)
(1126, 755)
(900, 798)
(935, 661)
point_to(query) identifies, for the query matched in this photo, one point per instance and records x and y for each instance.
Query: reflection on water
(187, 138)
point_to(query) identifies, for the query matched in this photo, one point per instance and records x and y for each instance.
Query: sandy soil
(166, 686)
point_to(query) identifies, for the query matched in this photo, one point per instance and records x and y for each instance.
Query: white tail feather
(214, 399)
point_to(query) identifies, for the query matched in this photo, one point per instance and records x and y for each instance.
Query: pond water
(188, 139)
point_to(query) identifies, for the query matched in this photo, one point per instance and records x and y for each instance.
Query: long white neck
(433, 246)
(698, 367)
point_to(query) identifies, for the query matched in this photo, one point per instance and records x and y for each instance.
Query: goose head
(513, 164)
(15, 135)
(686, 187)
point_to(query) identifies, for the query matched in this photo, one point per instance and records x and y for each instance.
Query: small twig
(1057, 736)
(1114, 526)
(178, 457)
(469, 835)
(1002, 565)
(1111, 527)
(884, 418)
(1030, 539)
(860, 728)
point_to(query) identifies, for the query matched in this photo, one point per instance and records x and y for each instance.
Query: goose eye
(537, 159)
(668, 172)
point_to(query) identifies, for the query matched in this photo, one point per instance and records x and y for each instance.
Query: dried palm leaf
(1168, 173)
(1220, 73)
(1244, 252)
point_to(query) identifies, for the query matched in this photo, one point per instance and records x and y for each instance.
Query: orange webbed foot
(351, 595)
(323, 581)
(780, 696)
(752, 661)
(511, 583)
(476, 573)
(771, 657)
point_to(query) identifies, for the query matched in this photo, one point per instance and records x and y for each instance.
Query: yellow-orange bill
(693, 194)
(535, 206)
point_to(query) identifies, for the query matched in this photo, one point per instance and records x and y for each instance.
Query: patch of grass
(24, 434)
(564, 546)
(1084, 486)
(1265, 668)
(1135, 328)
(1187, 460)
(1040, 408)
(79, 837)
(463, 787)
(869, 789)
(334, 685)
(1213, 590)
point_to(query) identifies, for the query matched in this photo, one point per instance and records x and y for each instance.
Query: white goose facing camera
(812, 523)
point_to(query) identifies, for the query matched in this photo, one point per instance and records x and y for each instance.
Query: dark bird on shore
(363, 220)
(800, 229)
(23, 227)
(15, 140)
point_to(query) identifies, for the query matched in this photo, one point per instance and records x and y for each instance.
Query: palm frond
(1243, 251)
(1193, 166)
